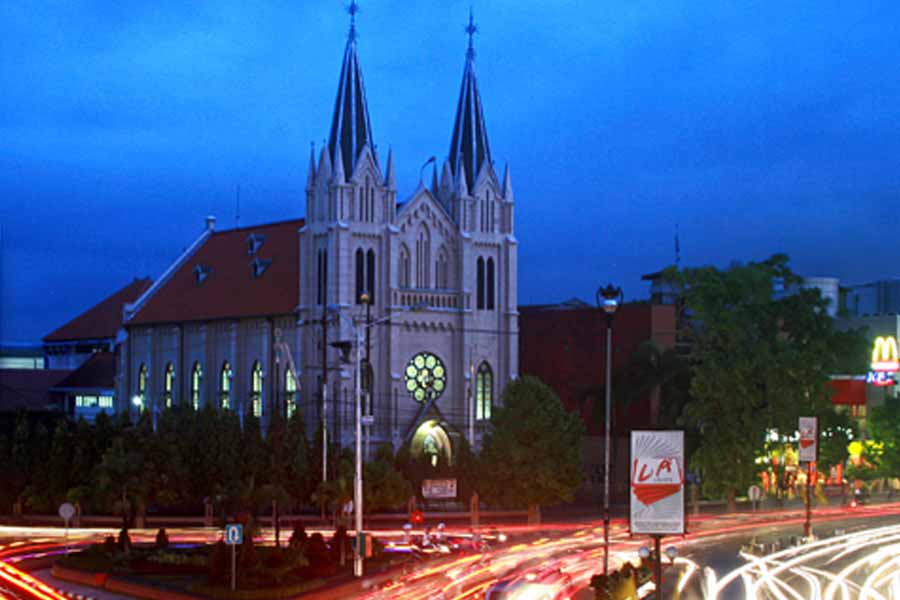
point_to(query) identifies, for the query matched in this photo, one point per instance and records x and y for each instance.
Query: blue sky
(757, 127)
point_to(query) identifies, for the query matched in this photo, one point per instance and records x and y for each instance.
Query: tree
(532, 454)
(763, 350)
(662, 374)
(884, 427)
(121, 475)
(384, 487)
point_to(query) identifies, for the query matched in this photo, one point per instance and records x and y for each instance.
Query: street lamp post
(358, 475)
(608, 299)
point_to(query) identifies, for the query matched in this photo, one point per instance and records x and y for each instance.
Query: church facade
(264, 319)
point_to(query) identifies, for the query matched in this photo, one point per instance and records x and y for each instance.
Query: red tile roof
(102, 320)
(230, 290)
(97, 372)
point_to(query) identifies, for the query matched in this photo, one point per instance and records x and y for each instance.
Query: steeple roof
(351, 128)
(469, 148)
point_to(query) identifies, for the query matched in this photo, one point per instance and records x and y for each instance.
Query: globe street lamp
(608, 299)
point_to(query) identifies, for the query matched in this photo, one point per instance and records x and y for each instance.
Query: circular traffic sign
(754, 493)
(66, 511)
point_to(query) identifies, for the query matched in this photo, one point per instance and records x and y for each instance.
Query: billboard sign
(885, 361)
(439, 488)
(809, 439)
(657, 482)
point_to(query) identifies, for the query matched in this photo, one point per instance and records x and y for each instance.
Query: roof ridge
(260, 225)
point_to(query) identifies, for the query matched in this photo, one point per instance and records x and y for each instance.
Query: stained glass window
(426, 377)
(484, 392)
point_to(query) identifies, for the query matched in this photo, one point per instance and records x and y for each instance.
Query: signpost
(439, 488)
(234, 535)
(809, 451)
(754, 493)
(66, 511)
(657, 487)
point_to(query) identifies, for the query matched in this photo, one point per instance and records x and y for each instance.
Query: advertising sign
(439, 488)
(885, 362)
(809, 439)
(657, 482)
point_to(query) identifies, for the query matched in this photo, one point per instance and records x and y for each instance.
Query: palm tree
(657, 371)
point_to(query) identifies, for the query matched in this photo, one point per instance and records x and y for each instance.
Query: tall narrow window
(141, 398)
(290, 392)
(319, 277)
(479, 287)
(360, 274)
(370, 275)
(490, 284)
(168, 385)
(484, 392)
(423, 257)
(403, 267)
(225, 386)
(196, 376)
(256, 386)
(441, 270)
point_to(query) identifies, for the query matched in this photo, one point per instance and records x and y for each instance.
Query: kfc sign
(657, 482)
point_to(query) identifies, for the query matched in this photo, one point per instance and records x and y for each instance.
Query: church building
(265, 318)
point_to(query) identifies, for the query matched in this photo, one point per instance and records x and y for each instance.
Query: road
(558, 561)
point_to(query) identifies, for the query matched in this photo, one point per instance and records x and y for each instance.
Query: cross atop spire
(471, 29)
(352, 9)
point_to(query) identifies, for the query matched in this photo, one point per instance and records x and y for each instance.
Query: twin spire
(351, 128)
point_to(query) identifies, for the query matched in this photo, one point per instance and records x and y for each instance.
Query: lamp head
(672, 552)
(136, 400)
(609, 298)
(644, 552)
(364, 297)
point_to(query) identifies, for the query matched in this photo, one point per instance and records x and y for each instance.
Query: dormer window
(201, 272)
(254, 242)
(259, 266)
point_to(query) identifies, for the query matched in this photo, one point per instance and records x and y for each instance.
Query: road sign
(657, 482)
(439, 488)
(809, 438)
(368, 420)
(754, 493)
(66, 511)
(234, 534)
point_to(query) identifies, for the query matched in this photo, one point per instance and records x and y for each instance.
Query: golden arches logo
(885, 355)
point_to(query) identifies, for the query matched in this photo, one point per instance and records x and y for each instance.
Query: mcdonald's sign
(884, 355)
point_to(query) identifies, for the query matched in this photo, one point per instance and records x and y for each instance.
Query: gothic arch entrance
(431, 444)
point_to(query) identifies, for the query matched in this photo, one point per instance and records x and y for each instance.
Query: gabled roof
(229, 286)
(97, 372)
(102, 320)
(469, 148)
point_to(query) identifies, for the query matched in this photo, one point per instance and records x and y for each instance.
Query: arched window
(366, 384)
(403, 267)
(479, 288)
(490, 284)
(168, 385)
(256, 386)
(423, 257)
(360, 274)
(225, 386)
(140, 399)
(290, 392)
(196, 376)
(484, 392)
(370, 275)
(441, 270)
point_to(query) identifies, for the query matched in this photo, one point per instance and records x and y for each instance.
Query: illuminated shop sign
(885, 361)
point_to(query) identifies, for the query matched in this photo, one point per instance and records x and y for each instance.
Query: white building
(219, 325)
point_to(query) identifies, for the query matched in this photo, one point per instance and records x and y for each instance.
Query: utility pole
(324, 393)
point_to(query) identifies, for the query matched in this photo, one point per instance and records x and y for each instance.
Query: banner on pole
(809, 439)
(657, 482)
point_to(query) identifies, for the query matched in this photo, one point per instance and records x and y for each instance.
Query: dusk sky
(756, 127)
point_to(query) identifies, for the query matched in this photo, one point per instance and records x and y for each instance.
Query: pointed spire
(462, 188)
(311, 171)
(469, 148)
(434, 179)
(324, 170)
(446, 176)
(339, 176)
(351, 128)
(507, 185)
(389, 179)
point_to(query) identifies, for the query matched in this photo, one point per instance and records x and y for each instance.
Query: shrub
(124, 540)
(219, 563)
(298, 537)
(109, 545)
(340, 543)
(162, 539)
